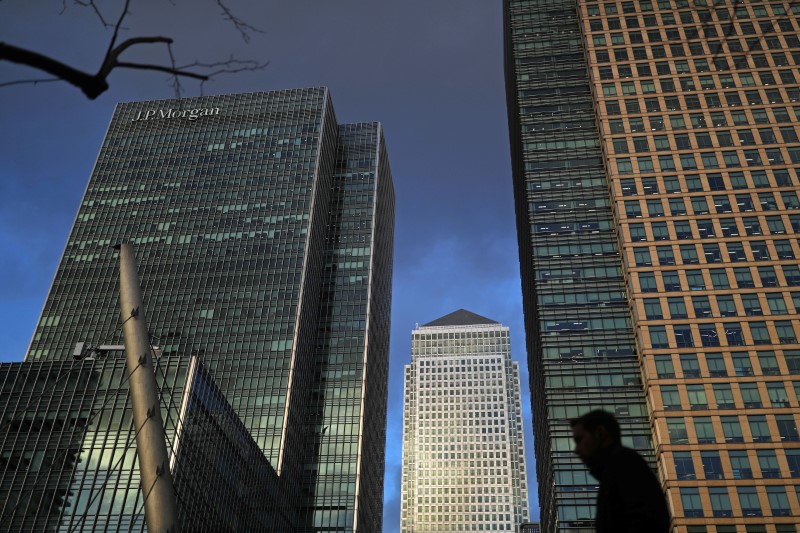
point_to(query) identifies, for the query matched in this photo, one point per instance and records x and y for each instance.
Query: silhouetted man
(630, 499)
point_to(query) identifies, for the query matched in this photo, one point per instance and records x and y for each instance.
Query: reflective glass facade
(581, 347)
(463, 449)
(696, 112)
(64, 470)
(263, 233)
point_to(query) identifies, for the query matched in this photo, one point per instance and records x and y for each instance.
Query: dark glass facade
(263, 232)
(581, 347)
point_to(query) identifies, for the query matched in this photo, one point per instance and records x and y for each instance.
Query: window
(637, 232)
(733, 334)
(676, 428)
(736, 252)
(719, 278)
(750, 395)
(670, 398)
(694, 278)
(697, 396)
(778, 502)
(641, 256)
(689, 254)
(671, 281)
(777, 305)
(655, 208)
(760, 250)
(768, 463)
(705, 227)
(683, 230)
(760, 333)
(652, 309)
(666, 257)
(660, 231)
(740, 464)
(683, 336)
(768, 277)
(690, 499)
(793, 458)
(726, 305)
(723, 395)
(759, 428)
(792, 275)
(705, 431)
(731, 429)
(748, 499)
(690, 366)
(716, 365)
(720, 502)
(658, 337)
(751, 304)
(744, 278)
(785, 332)
(741, 364)
(684, 466)
(777, 394)
(647, 282)
(745, 203)
(701, 305)
(664, 367)
(768, 363)
(699, 205)
(767, 201)
(708, 335)
(787, 428)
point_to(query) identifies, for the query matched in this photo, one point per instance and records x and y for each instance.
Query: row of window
(716, 364)
(780, 249)
(725, 305)
(709, 160)
(700, 228)
(687, 101)
(673, 184)
(731, 429)
(700, 121)
(682, 141)
(668, 7)
(740, 467)
(758, 333)
(716, 278)
(749, 504)
(724, 398)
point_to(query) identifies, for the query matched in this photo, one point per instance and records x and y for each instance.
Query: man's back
(630, 499)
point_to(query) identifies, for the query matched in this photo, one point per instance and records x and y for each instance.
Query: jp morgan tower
(263, 232)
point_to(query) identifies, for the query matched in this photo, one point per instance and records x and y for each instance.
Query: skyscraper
(463, 450)
(263, 232)
(655, 151)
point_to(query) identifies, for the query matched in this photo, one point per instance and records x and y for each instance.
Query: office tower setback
(655, 156)
(463, 450)
(263, 231)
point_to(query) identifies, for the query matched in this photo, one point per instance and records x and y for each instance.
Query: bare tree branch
(87, 3)
(32, 82)
(241, 26)
(93, 85)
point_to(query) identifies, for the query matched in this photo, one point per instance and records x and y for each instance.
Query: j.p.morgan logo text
(189, 114)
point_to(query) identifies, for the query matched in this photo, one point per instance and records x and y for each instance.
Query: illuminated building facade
(463, 449)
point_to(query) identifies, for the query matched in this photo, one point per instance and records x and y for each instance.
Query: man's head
(593, 432)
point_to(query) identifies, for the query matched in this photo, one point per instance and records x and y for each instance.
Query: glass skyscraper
(655, 155)
(263, 231)
(463, 449)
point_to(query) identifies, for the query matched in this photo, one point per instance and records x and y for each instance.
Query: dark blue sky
(431, 72)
